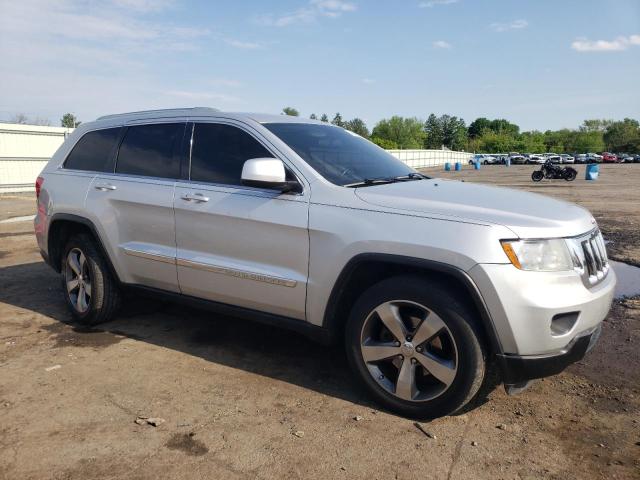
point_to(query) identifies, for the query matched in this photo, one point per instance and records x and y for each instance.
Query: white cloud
(441, 44)
(314, 10)
(144, 5)
(514, 25)
(433, 3)
(368, 81)
(98, 57)
(616, 45)
(243, 45)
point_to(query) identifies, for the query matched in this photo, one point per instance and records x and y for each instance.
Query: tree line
(491, 135)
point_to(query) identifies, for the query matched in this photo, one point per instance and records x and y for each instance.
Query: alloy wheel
(78, 280)
(409, 350)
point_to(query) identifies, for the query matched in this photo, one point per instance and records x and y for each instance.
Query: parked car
(278, 219)
(636, 159)
(608, 157)
(625, 157)
(483, 158)
(581, 158)
(554, 158)
(517, 159)
(594, 158)
(530, 158)
(565, 158)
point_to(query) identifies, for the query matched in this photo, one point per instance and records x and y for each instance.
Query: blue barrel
(507, 162)
(458, 166)
(592, 171)
(476, 165)
(447, 166)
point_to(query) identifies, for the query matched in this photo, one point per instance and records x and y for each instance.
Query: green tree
(324, 118)
(290, 111)
(531, 142)
(358, 126)
(504, 126)
(404, 132)
(477, 126)
(384, 143)
(454, 132)
(313, 116)
(584, 141)
(69, 120)
(434, 134)
(337, 120)
(622, 136)
(595, 125)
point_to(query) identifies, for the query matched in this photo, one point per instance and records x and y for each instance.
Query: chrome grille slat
(591, 254)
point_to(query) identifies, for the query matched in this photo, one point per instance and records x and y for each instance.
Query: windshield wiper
(366, 182)
(410, 176)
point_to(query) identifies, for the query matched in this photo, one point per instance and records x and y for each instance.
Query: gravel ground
(241, 400)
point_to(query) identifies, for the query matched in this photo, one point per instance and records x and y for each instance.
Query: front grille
(590, 257)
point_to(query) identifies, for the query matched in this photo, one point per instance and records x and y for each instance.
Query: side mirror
(266, 173)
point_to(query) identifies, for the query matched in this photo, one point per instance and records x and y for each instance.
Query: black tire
(537, 176)
(105, 296)
(570, 175)
(485, 163)
(461, 325)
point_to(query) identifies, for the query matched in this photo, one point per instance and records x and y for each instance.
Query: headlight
(539, 255)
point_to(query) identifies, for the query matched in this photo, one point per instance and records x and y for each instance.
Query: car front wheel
(415, 347)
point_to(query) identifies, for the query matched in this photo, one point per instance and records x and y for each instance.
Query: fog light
(563, 322)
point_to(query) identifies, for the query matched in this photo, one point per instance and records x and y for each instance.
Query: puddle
(628, 279)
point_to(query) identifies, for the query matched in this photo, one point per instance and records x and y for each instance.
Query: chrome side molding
(233, 272)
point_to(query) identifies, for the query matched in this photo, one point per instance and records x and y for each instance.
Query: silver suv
(433, 285)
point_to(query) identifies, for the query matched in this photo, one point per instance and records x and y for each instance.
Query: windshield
(340, 156)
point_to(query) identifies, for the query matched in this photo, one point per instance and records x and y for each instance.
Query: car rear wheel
(415, 347)
(91, 292)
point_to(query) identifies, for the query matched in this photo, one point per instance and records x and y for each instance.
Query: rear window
(151, 150)
(94, 151)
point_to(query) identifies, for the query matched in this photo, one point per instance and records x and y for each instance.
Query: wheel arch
(61, 228)
(367, 269)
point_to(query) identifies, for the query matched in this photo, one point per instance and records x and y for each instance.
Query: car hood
(528, 215)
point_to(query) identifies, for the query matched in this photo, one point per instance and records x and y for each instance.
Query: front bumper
(517, 370)
(541, 313)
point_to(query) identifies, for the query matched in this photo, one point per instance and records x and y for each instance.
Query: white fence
(25, 150)
(430, 158)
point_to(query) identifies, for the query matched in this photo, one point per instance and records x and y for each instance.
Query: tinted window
(94, 151)
(151, 150)
(338, 155)
(219, 152)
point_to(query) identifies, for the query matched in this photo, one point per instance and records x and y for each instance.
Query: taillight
(39, 182)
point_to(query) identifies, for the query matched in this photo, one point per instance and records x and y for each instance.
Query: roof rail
(175, 111)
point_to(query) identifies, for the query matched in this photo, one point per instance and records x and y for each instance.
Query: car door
(239, 245)
(133, 207)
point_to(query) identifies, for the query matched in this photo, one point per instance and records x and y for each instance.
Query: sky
(542, 64)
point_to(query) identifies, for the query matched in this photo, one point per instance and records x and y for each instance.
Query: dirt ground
(241, 400)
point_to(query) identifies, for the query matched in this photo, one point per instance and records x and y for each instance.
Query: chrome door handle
(195, 197)
(103, 187)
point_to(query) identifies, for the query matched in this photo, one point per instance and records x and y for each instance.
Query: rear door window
(151, 150)
(219, 152)
(94, 151)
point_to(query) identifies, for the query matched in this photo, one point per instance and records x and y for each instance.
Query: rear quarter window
(94, 151)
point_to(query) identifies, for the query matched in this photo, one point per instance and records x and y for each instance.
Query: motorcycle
(551, 171)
